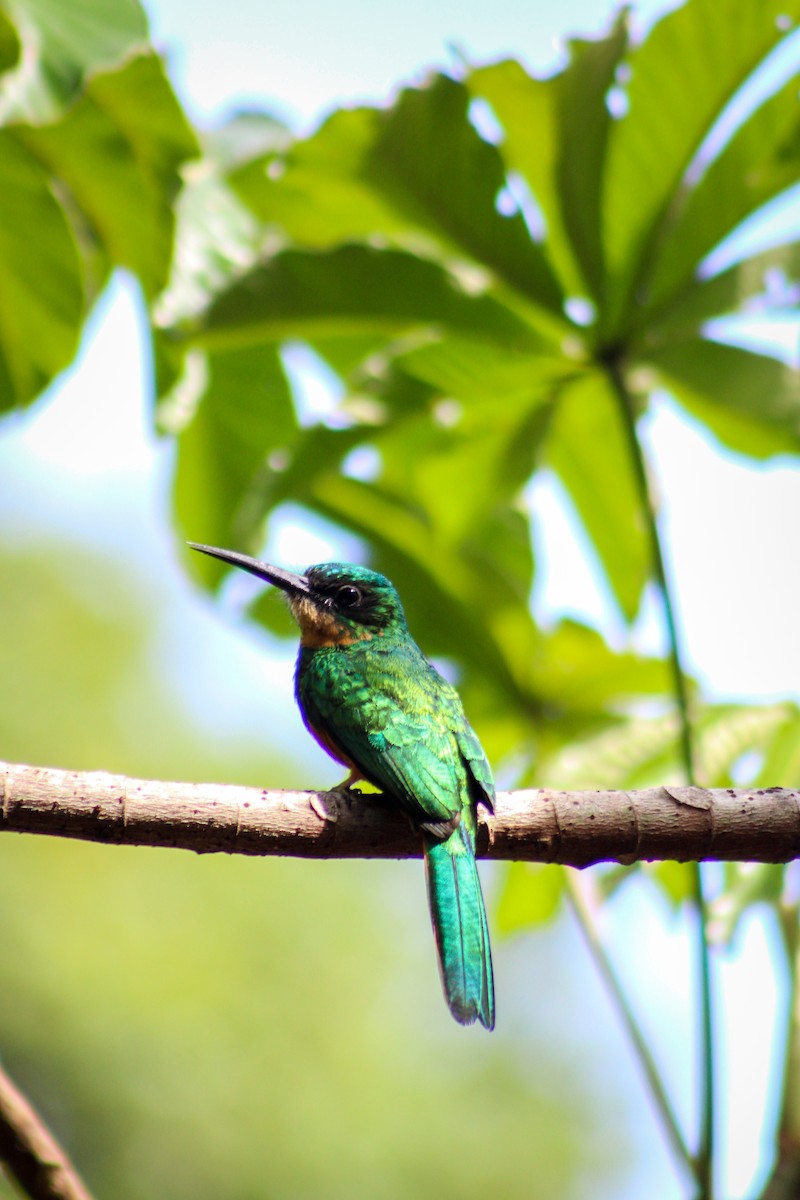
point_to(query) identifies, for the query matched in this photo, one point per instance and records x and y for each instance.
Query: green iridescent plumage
(372, 699)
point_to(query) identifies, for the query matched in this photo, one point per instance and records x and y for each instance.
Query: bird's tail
(459, 926)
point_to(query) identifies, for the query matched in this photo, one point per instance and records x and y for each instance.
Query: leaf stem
(704, 1161)
(784, 1179)
(606, 970)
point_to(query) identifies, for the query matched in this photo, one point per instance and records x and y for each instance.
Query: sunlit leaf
(9, 43)
(245, 415)
(119, 150)
(760, 161)
(215, 241)
(65, 44)
(591, 453)
(314, 191)
(729, 733)
(554, 134)
(42, 304)
(430, 160)
(643, 752)
(750, 401)
(576, 668)
(767, 282)
(477, 372)
(688, 68)
(443, 585)
(352, 289)
(636, 752)
(780, 765)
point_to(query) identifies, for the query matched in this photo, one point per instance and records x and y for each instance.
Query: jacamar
(375, 703)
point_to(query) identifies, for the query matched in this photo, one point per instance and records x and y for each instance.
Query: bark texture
(574, 828)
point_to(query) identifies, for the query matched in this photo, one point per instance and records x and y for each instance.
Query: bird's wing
(401, 727)
(477, 765)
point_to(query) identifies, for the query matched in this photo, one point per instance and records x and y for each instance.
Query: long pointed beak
(293, 584)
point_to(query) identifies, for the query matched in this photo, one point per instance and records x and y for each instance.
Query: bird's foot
(326, 804)
(347, 785)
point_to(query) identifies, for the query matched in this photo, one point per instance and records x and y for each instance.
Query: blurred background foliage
(206, 1026)
(491, 276)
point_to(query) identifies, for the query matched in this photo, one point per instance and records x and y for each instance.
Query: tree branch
(30, 1152)
(574, 828)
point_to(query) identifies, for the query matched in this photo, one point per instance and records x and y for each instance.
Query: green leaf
(119, 150)
(430, 161)
(588, 449)
(245, 415)
(754, 279)
(427, 463)
(635, 752)
(643, 752)
(437, 575)
(555, 135)
(467, 552)
(575, 669)
(727, 732)
(751, 402)
(9, 44)
(243, 138)
(781, 762)
(689, 67)
(314, 190)
(216, 238)
(65, 44)
(353, 289)
(481, 374)
(760, 161)
(531, 896)
(42, 298)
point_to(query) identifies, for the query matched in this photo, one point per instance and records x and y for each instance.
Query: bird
(375, 703)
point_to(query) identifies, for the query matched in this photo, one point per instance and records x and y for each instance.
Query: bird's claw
(327, 804)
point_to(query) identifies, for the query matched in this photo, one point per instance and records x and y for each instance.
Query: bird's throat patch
(319, 627)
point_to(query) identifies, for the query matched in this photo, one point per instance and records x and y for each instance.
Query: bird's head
(335, 604)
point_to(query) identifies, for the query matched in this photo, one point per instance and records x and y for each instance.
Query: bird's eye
(348, 596)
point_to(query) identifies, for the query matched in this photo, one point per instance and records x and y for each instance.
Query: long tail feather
(460, 928)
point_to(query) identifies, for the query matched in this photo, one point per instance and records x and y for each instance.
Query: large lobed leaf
(42, 298)
(683, 75)
(119, 150)
(92, 149)
(65, 44)
(480, 263)
(555, 133)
